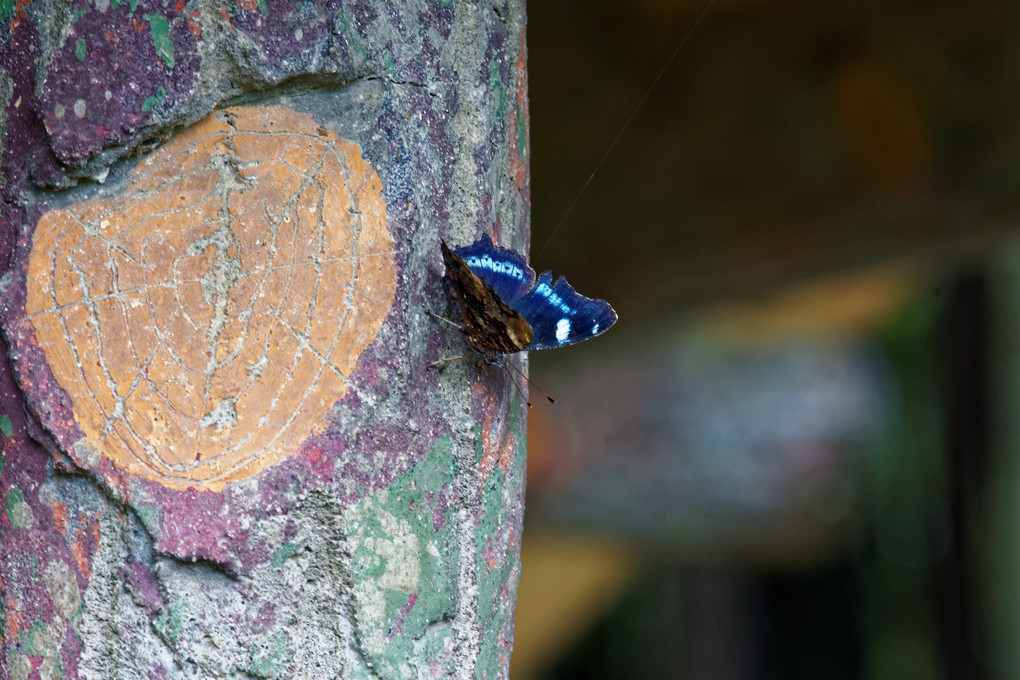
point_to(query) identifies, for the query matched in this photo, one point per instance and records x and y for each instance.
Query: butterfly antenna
(517, 387)
(530, 382)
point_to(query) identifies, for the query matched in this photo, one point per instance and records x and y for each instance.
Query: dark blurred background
(797, 454)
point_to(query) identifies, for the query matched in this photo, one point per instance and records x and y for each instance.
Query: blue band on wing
(505, 271)
(560, 316)
(557, 314)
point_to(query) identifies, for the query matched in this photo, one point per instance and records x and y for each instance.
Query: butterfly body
(504, 309)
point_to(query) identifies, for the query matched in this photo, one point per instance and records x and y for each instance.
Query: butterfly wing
(506, 272)
(490, 325)
(560, 316)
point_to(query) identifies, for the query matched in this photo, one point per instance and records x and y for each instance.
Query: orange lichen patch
(204, 322)
(498, 444)
(60, 516)
(12, 625)
(80, 553)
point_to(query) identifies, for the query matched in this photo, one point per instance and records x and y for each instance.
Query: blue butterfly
(505, 309)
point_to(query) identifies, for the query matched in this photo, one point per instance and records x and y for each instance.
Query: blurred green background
(797, 455)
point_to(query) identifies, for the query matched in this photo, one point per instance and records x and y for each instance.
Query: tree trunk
(224, 454)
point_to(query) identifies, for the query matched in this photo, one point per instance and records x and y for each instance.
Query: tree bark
(223, 452)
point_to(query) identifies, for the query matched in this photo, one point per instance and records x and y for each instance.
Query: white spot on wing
(562, 330)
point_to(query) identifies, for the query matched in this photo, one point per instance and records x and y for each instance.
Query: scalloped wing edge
(560, 316)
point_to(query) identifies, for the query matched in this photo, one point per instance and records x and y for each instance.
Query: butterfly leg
(444, 320)
(442, 361)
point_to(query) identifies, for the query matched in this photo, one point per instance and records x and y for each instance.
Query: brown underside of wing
(489, 323)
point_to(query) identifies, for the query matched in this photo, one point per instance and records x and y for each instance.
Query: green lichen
(405, 561)
(269, 658)
(286, 551)
(79, 49)
(496, 83)
(494, 541)
(170, 622)
(514, 424)
(5, 426)
(490, 537)
(155, 100)
(37, 640)
(18, 511)
(159, 28)
(148, 514)
(6, 7)
(350, 36)
(492, 653)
